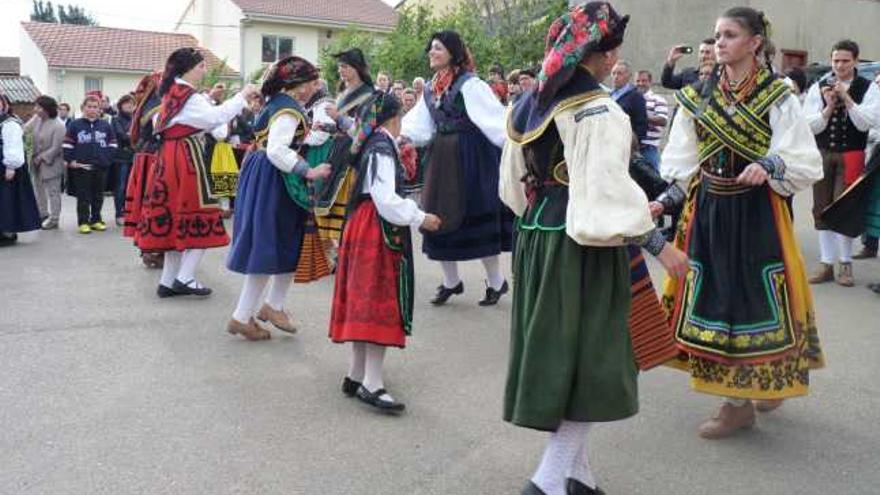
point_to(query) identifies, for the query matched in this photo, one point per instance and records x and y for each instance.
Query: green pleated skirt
(571, 355)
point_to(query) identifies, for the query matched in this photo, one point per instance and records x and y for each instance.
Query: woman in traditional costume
(18, 204)
(180, 218)
(269, 225)
(145, 145)
(333, 194)
(373, 297)
(464, 122)
(565, 173)
(739, 146)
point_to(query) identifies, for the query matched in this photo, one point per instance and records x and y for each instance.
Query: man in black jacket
(688, 75)
(124, 154)
(630, 99)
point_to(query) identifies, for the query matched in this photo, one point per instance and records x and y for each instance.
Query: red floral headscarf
(591, 27)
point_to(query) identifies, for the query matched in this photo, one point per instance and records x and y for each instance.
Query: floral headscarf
(379, 110)
(591, 27)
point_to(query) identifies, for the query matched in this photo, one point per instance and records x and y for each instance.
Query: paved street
(107, 390)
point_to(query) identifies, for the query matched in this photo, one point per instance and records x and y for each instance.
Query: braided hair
(757, 24)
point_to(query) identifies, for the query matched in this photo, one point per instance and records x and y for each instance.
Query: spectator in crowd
(217, 92)
(498, 84)
(88, 152)
(630, 100)
(658, 116)
(527, 80)
(383, 82)
(397, 89)
(107, 110)
(670, 80)
(513, 88)
(47, 160)
(798, 79)
(124, 155)
(418, 85)
(409, 100)
(64, 114)
(706, 69)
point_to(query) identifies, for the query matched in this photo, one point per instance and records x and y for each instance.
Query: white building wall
(69, 85)
(216, 24)
(33, 63)
(305, 42)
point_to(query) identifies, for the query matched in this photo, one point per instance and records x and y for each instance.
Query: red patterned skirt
(366, 300)
(135, 191)
(178, 211)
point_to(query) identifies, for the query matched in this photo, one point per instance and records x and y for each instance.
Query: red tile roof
(368, 13)
(66, 45)
(19, 89)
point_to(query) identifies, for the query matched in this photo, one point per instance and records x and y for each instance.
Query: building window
(276, 48)
(94, 84)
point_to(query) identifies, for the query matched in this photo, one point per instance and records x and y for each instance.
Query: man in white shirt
(841, 108)
(658, 116)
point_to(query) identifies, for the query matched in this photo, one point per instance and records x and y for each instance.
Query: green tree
(75, 15)
(348, 38)
(43, 12)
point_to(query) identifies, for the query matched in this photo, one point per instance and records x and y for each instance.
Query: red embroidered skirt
(365, 301)
(179, 212)
(135, 191)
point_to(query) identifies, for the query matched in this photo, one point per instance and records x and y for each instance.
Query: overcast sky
(133, 14)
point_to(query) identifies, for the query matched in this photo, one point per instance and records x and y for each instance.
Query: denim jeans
(122, 172)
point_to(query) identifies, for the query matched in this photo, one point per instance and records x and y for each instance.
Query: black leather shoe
(165, 292)
(532, 489)
(350, 387)
(375, 399)
(444, 293)
(184, 289)
(575, 487)
(492, 295)
(876, 288)
(8, 239)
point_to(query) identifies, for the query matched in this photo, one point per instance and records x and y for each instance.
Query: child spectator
(89, 148)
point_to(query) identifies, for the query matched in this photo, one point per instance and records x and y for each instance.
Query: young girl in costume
(269, 225)
(373, 297)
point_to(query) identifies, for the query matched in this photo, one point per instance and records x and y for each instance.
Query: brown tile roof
(19, 89)
(9, 66)
(66, 45)
(368, 13)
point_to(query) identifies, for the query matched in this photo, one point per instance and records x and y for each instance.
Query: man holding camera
(689, 75)
(841, 108)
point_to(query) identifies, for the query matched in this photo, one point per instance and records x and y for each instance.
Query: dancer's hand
(332, 111)
(753, 175)
(10, 174)
(656, 208)
(674, 261)
(431, 223)
(322, 171)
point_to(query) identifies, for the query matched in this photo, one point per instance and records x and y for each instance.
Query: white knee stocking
(170, 267)
(188, 264)
(358, 361)
(493, 272)
(845, 247)
(375, 357)
(828, 247)
(250, 296)
(562, 458)
(278, 290)
(450, 274)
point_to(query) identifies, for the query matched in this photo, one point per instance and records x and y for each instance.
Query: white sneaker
(49, 224)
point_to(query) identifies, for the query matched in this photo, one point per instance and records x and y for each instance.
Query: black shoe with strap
(350, 387)
(575, 487)
(444, 293)
(375, 399)
(191, 288)
(532, 489)
(165, 292)
(493, 296)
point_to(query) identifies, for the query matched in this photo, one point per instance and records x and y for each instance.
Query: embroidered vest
(840, 134)
(449, 113)
(281, 104)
